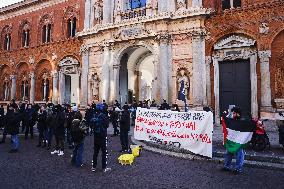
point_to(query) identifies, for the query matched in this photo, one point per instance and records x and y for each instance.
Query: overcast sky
(4, 3)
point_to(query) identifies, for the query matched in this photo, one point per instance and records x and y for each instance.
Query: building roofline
(19, 5)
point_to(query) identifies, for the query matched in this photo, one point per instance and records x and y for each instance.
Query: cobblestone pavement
(36, 168)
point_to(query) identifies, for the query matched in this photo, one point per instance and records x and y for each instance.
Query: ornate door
(235, 85)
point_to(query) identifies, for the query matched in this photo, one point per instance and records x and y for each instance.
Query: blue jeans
(16, 142)
(77, 157)
(240, 157)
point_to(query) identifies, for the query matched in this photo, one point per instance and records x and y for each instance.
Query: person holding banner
(237, 133)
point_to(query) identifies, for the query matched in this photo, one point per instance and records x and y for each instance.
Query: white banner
(189, 130)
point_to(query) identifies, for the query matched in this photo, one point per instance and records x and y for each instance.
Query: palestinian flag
(237, 133)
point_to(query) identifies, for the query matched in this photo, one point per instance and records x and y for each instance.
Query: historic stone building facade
(220, 52)
(40, 56)
(144, 50)
(244, 50)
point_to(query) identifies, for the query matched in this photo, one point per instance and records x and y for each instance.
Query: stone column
(87, 20)
(139, 79)
(32, 90)
(13, 87)
(196, 3)
(118, 10)
(61, 87)
(265, 80)
(199, 71)
(107, 11)
(54, 75)
(149, 8)
(84, 77)
(208, 80)
(216, 90)
(105, 80)
(92, 14)
(115, 88)
(164, 72)
(253, 78)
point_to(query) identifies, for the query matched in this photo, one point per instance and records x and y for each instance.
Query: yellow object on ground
(135, 150)
(126, 159)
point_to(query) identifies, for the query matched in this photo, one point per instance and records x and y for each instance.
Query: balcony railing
(133, 14)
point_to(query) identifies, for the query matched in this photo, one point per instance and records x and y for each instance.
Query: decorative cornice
(166, 16)
(234, 41)
(25, 7)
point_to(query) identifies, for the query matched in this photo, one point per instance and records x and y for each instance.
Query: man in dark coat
(22, 111)
(50, 122)
(13, 123)
(30, 118)
(124, 129)
(78, 133)
(59, 130)
(101, 124)
(4, 121)
(164, 106)
(2, 116)
(41, 125)
(114, 121)
(88, 116)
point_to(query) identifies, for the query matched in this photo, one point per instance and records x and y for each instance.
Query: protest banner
(189, 130)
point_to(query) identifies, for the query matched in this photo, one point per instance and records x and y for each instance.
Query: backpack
(100, 123)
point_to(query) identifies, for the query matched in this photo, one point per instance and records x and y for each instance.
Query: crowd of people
(68, 126)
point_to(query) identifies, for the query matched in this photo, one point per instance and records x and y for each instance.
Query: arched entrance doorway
(235, 77)
(69, 81)
(136, 75)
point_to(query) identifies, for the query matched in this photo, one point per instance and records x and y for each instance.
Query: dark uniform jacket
(125, 120)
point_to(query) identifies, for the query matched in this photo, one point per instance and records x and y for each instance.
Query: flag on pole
(237, 133)
(181, 95)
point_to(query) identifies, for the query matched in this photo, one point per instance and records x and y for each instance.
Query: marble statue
(185, 79)
(181, 4)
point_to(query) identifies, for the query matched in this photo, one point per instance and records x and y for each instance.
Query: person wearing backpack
(78, 133)
(101, 123)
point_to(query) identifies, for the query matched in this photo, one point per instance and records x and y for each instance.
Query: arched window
(71, 26)
(25, 89)
(7, 42)
(26, 38)
(6, 90)
(227, 4)
(134, 4)
(45, 89)
(46, 33)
